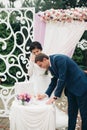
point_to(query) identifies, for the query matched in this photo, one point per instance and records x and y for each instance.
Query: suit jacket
(66, 74)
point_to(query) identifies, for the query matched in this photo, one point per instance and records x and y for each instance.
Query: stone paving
(4, 123)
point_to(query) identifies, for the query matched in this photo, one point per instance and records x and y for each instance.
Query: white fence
(16, 26)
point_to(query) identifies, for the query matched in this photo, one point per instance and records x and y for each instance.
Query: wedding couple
(69, 77)
(40, 80)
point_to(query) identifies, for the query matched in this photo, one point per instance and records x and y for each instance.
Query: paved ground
(4, 123)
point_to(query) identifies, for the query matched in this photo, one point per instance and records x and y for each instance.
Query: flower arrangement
(67, 15)
(24, 97)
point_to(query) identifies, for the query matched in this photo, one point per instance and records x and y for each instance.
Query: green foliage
(1, 5)
(2, 66)
(42, 5)
(12, 0)
(84, 36)
(56, 4)
(82, 3)
(3, 31)
(78, 56)
(7, 46)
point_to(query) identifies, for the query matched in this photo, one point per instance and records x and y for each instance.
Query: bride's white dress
(39, 83)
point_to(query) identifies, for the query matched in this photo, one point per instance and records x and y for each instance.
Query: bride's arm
(31, 65)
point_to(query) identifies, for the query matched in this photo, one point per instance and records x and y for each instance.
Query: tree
(42, 5)
(35, 3)
(75, 3)
(56, 4)
(82, 3)
(11, 2)
(1, 5)
(84, 36)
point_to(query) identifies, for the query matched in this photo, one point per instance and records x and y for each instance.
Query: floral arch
(60, 30)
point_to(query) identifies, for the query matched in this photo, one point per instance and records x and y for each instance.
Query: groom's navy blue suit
(67, 74)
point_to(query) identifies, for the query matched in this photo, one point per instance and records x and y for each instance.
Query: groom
(66, 75)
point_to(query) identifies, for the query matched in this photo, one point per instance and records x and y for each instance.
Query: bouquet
(24, 97)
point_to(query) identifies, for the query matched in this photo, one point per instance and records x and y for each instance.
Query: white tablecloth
(33, 116)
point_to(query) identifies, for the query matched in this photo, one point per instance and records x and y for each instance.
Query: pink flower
(24, 97)
(68, 15)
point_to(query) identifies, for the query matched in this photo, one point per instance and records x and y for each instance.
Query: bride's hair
(35, 45)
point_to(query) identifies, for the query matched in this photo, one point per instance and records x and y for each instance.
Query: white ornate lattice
(16, 34)
(82, 44)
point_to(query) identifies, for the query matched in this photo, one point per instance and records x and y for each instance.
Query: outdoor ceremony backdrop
(19, 27)
(59, 31)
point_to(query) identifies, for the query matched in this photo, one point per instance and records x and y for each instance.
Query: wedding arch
(60, 30)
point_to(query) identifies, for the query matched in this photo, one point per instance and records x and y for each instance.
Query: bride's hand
(50, 101)
(32, 58)
(41, 96)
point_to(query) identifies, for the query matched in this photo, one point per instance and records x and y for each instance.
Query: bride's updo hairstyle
(35, 45)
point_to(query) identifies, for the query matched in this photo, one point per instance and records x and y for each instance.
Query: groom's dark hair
(40, 57)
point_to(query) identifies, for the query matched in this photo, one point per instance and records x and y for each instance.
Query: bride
(40, 79)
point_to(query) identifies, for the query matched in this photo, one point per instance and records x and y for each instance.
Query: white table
(37, 115)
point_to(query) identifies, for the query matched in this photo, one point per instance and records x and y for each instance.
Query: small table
(36, 115)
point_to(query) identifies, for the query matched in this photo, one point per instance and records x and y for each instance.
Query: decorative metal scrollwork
(16, 34)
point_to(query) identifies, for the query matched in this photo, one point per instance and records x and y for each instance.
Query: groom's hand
(41, 96)
(51, 100)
